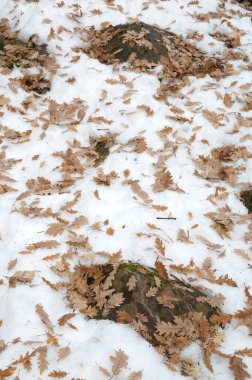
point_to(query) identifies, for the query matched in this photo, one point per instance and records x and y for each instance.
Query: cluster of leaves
(168, 313)
(14, 52)
(144, 47)
(213, 167)
(206, 272)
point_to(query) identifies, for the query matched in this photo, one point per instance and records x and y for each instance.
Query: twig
(167, 218)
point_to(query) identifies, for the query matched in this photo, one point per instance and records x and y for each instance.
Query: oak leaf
(65, 318)
(238, 367)
(42, 362)
(120, 360)
(131, 284)
(44, 317)
(160, 268)
(135, 375)
(245, 352)
(57, 374)
(163, 181)
(159, 246)
(63, 352)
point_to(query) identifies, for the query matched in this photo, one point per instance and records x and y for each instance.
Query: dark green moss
(1, 42)
(246, 197)
(102, 150)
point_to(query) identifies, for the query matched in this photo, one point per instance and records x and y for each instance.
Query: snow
(93, 342)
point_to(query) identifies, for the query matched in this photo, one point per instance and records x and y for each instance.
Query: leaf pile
(14, 52)
(144, 47)
(168, 313)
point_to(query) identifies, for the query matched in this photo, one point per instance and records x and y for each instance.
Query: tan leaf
(57, 374)
(12, 264)
(3, 100)
(105, 372)
(52, 340)
(79, 221)
(119, 361)
(63, 352)
(135, 375)
(65, 318)
(221, 319)
(42, 362)
(226, 280)
(4, 373)
(163, 181)
(159, 207)
(245, 352)
(3, 346)
(115, 300)
(55, 229)
(6, 189)
(131, 284)
(228, 101)
(152, 292)
(161, 270)
(159, 246)
(238, 367)
(44, 317)
(22, 277)
(48, 244)
(136, 188)
(110, 231)
(51, 35)
(183, 236)
(123, 316)
(242, 253)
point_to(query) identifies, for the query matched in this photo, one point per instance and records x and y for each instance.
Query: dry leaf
(52, 340)
(228, 101)
(42, 362)
(159, 246)
(238, 367)
(131, 284)
(245, 352)
(163, 181)
(3, 100)
(120, 360)
(105, 372)
(22, 277)
(48, 244)
(65, 318)
(152, 292)
(183, 236)
(57, 374)
(63, 352)
(44, 317)
(12, 264)
(161, 270)
(55, 229)
(135, 375)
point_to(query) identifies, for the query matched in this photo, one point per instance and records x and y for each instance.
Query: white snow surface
(93, 342)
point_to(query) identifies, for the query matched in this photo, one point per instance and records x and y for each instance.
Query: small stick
(102, 129)
(168, 218)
